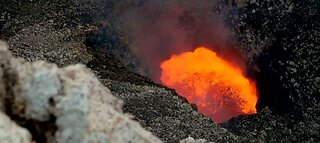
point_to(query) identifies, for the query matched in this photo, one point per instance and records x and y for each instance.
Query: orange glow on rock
(219, 89)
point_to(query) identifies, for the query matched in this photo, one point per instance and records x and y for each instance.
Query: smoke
(157, 29)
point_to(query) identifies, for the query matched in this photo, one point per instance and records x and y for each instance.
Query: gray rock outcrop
(67, 105)
(10, 132)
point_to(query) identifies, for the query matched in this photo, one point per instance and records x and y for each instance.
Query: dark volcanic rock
(166, 114)
(158, 109)
(290, 65)
(269, 127)
(288, 70)
(108, 42)
(55, 31)
(280, 38)
(45, 30)
(107, 66)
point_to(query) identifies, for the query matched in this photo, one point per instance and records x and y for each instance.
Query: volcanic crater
(223, 71)
(255, 39)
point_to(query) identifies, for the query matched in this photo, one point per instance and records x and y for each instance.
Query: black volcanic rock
(288, 70)
(291, 62)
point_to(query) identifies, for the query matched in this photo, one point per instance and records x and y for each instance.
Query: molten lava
(219, 89)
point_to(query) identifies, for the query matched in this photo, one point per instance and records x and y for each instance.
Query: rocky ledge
(43, 103)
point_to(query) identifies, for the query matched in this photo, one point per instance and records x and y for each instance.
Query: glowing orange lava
(219, 89)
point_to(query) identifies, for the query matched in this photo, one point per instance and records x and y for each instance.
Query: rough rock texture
(42, 30)
(288, 69)
(280, 39)
(66, 105)
(10, 132)
(26, 44)
(158, 109)
(166, 114)
(3, 61)
(267, 126)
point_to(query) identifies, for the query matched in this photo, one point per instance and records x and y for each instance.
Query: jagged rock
(71, 100)
(10, 132)
(37, 84)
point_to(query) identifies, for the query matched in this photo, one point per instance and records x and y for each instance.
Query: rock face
(289, 62)
(66, 105)
(10, 132)
(288, 69)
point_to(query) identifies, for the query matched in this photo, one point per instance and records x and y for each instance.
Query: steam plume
(157, 29)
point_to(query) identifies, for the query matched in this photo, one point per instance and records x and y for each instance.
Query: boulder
(10, 132)
(63, 105)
